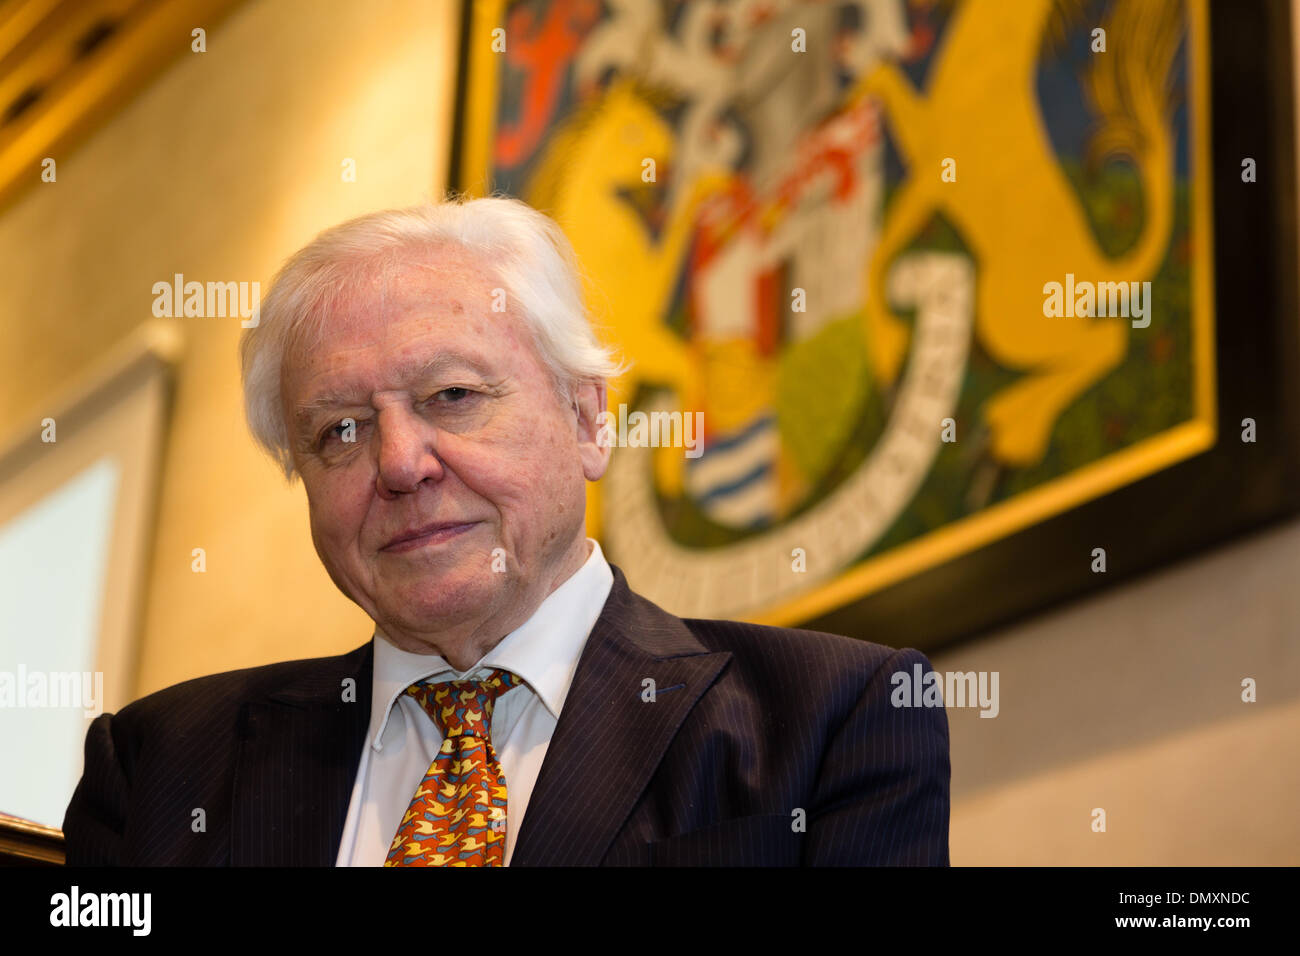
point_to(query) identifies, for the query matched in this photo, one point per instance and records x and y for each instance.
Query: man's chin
(433, 605)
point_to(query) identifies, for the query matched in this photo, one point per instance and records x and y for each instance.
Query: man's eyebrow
(417, 372)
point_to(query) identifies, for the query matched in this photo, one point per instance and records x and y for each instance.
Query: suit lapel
(610, 738)
(299, 750)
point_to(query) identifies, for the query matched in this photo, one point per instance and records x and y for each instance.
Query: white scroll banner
(736, 579)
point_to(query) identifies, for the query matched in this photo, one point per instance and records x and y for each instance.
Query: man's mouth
(424, 535)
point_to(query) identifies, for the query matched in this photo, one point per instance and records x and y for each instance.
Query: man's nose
(407, 450)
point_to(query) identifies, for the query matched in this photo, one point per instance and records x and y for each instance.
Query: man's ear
(594, 433)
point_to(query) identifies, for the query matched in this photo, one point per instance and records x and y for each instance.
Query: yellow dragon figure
(629, 273)
(1012, 204)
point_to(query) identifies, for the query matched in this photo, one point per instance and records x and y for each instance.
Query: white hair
(527, 250)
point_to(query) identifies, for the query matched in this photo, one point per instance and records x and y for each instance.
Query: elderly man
(431, 376)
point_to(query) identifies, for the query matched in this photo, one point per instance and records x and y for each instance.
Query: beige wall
(1131, 702)
(231, 160)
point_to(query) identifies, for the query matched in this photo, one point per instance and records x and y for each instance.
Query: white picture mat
(76, 520)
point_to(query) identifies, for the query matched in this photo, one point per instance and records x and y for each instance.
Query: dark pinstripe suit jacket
(749, 725)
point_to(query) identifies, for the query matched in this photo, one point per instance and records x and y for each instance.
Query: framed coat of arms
(979, 304)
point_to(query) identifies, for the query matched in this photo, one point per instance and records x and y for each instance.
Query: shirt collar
(543, 651)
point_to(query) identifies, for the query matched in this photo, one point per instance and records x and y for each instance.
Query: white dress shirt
(404, 740)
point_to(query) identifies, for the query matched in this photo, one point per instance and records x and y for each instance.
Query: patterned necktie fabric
(458, 814)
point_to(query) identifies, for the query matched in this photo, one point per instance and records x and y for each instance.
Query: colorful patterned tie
(458, 814)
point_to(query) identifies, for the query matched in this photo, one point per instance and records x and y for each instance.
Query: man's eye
(339, 430)
(454, 394)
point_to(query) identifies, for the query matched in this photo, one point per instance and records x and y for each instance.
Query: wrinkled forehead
(362, 298)
(396, 326)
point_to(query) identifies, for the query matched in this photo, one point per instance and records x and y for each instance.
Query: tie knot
(463, 708)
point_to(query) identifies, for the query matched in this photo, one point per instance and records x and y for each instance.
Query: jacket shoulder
(774, 656)
(815, 650)
(200, 699)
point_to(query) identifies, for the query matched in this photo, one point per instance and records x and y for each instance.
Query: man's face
(465, 458)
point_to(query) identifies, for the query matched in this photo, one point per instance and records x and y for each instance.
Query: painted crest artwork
(932, 272)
